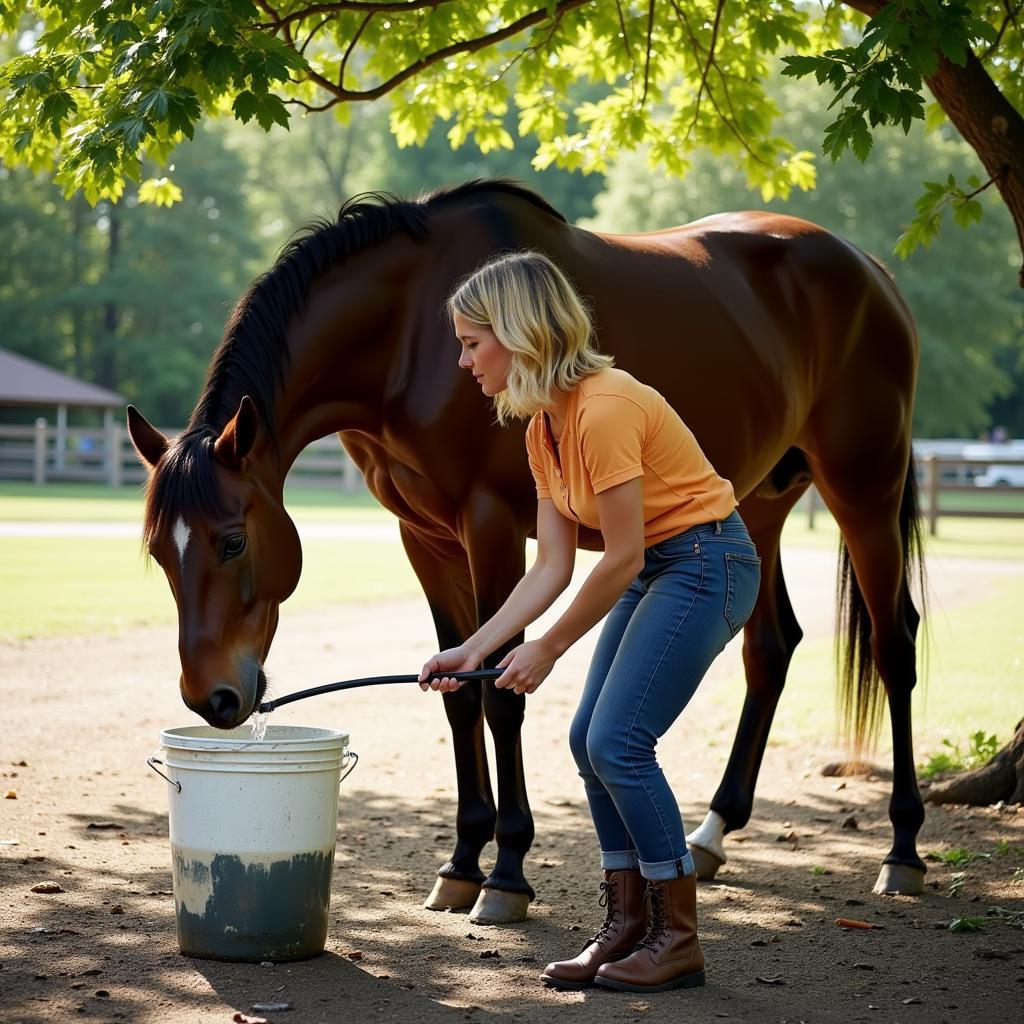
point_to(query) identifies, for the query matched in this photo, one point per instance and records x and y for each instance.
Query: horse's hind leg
(444, 576)
(769, 639)
(872, 494)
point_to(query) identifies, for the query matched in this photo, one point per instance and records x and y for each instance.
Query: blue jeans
(694, 593)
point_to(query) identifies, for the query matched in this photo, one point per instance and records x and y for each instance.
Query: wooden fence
(43, 453)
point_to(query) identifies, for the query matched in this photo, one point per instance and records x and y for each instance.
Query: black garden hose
(351, 684)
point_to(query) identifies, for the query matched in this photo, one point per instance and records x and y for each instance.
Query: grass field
(59, 585)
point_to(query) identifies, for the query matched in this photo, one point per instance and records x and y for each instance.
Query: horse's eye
(232, 547)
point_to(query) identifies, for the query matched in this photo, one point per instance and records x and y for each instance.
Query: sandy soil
(83, 713)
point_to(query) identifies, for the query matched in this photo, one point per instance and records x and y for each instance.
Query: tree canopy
(103, 90)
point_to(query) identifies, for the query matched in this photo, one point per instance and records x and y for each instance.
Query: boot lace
(607, 900)
(657, 929)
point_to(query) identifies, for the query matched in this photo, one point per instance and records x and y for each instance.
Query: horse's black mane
(184, 480)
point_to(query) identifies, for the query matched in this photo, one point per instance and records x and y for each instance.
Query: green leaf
(246, 106)
(159, 192)
(271, 111)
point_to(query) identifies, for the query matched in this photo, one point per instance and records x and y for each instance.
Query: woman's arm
(620, 510)
(532, 596)
(621, 513)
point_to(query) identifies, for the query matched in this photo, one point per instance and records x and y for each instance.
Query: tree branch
(707, 65)
(1010, 19)
(346, 5)
(351, 46)
(647, 59)
(465, 46)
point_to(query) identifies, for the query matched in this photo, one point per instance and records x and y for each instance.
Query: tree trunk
(1001, 779)
(106, 371)
(985, 118)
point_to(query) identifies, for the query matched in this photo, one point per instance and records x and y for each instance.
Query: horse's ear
(237, 437)
(148, 441)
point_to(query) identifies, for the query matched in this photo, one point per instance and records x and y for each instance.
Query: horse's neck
(343, 351)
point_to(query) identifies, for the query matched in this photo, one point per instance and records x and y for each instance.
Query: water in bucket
(252, 830)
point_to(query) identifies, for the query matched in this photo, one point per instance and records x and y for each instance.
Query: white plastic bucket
(252, 829)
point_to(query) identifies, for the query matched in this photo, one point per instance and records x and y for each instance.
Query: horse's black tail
(860, 691)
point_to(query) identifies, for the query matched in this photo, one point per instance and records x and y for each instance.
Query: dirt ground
(83, 713)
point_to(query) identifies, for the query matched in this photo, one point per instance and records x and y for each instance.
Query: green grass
(969, 680)
(95, 503)
(52, 586)
(957, 538)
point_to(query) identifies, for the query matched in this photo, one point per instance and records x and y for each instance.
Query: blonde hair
(537, 315)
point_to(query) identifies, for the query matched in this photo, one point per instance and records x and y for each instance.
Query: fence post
(812, 505)
(113, 457)
(932, 476)
(349, 474)
(39, 467)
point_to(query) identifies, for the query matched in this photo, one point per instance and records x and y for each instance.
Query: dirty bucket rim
(205, 737)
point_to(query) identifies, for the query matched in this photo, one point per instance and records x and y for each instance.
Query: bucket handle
(153, 761)
(354, 758)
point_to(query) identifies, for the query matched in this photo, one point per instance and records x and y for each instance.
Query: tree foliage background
(144, 116)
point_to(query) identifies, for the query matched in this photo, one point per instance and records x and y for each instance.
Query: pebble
(912, 1001)
(777, 980)
(11, 794)
(851, 823)
(48, 887)
(271, 1007)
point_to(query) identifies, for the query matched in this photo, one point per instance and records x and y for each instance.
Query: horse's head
(218, 528)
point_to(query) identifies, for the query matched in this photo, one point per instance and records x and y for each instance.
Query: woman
(678, 578)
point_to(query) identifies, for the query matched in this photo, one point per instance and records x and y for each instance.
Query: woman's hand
(526, 667)
(455, 659)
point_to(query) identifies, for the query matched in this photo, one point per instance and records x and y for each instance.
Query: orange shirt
(617, 429)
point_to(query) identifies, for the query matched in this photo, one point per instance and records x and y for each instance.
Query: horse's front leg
(443, 573)
(497, 562)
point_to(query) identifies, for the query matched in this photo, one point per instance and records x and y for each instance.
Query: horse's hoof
(706, 863)
(496, 907)
(900, 880)
(452, 894)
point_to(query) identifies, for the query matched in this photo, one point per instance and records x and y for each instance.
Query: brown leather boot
(622, 893)
(669, 956)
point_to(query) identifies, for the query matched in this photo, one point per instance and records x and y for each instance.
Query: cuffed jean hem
(619, 860)
(662, 870)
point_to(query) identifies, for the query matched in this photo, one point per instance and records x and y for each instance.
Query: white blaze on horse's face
(181, 535)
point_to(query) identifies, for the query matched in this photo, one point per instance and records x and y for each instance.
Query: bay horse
(788, 352)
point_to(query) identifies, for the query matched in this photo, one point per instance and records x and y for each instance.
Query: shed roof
(25, 382)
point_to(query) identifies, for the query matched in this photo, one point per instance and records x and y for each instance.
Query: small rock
(271, 1007)
(794, 922)
(40, 977)
(574, 927)
(354, 954)
(490, 954)
(48, 887)
(852, 902)
(104, 824)
(912, 1001)
(850, 822)
(102, 993)
(266, 963)
(11, 794)
(863, 967)
(91, 972)
(117, 909)
(777, 980)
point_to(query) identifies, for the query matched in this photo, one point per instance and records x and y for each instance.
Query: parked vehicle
(1006, 475)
